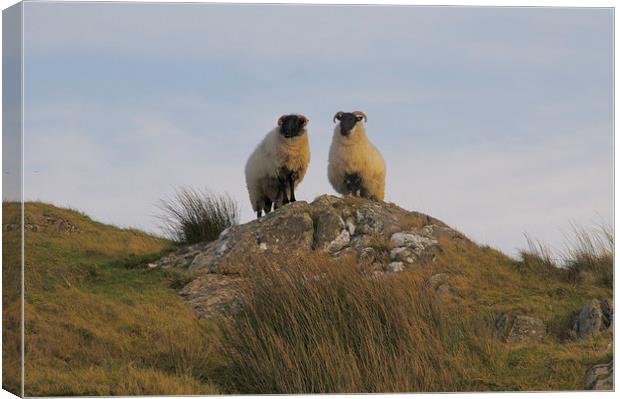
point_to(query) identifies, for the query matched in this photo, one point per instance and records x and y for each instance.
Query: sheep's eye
(359, 118)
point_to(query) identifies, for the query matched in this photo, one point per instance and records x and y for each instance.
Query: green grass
(97, 321)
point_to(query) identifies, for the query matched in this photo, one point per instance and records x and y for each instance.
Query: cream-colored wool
(272, 155)
(356, 154)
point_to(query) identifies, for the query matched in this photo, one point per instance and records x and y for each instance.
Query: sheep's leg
(353, 181)
(366, 194)
(267, 206)
(281, 198)
(292, 177)
(282, 187)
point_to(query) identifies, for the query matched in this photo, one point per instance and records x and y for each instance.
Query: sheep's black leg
(259, 213)
(292, 177)
(282, 188)
(353, 181)
(267, 206)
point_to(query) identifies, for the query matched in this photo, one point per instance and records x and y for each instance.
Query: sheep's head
(349, 121)
(292, 125)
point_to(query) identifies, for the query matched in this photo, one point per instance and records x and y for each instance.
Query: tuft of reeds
(194, 215)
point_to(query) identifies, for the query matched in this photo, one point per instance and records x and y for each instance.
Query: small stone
(395, 267)
(402, 254)
(152, 265)
(221, 249)
(436, 280)
(263, 246)
(350, 226)
(600, 377)
(368, 253)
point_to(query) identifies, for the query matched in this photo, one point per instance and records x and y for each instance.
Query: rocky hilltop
(384, 236)
(529, 307)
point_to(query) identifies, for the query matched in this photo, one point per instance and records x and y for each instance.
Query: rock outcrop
(385, 237)
(520, 329)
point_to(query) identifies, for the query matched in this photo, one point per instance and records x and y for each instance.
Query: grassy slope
(96, 325)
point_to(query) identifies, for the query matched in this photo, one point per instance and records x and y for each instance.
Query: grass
(96, 321)
(588, 256)
(322, 326)
(99, 322)
(194, 216)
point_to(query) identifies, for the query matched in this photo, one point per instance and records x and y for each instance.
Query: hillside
(96, 323)
(337, 295)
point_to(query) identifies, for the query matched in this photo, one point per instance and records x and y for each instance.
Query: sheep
(355, 165)
(278, 164)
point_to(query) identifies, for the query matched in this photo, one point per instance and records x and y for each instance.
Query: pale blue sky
(498, 121)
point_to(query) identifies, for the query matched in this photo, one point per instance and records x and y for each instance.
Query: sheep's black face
(292, 125)
(347, 122)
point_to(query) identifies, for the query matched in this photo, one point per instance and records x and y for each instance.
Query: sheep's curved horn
(280, 120)
(363, 115)
(338, 115)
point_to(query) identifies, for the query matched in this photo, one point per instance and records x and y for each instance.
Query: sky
(498, 121)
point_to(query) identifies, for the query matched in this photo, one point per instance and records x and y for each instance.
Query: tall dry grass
(320, 326)
(588, 256)
(194, 215)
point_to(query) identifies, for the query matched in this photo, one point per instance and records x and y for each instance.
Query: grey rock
(446, 290)
(402, 254)
(367, 254)
(440, 284)
(213, 295)
(415, 241)
(600, 377)
(607, 306)
(520, 329)
(394, 267)
(436, 280)
(329, 228)
(589, 321)
(372, 217)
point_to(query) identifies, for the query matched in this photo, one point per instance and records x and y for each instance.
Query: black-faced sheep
(278, 164)
(355, 165)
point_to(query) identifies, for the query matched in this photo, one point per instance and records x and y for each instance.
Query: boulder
(331, 233)
(520, 329)
(590, 320)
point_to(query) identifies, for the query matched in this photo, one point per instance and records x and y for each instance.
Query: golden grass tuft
(321, 325)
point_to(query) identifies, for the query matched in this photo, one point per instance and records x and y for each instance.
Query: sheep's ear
(304, 119)
(359, 114)
(281, 120)
(338, 115)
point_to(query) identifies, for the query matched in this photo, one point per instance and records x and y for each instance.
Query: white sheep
(355, 165)
(278, 164)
